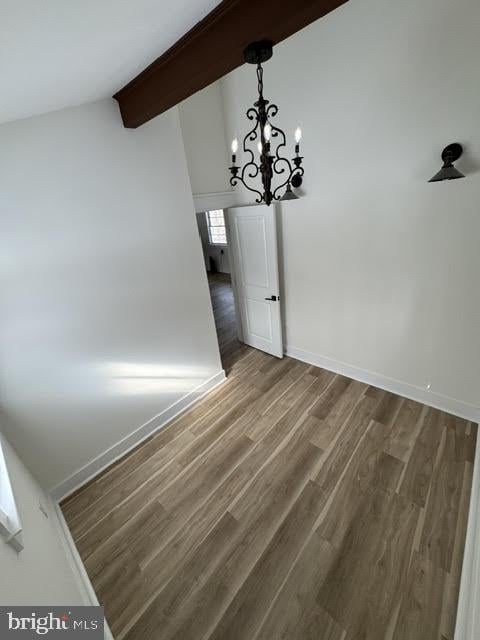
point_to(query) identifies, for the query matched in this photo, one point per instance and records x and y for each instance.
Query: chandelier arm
(299, 171)
(295, 171)
(234, 180)
(282, 159)
(283, 143)
(252, 113)
(250, 166)
(272, 110)
(252, 134)
(253, 174)
(279, 160)
(283, 184)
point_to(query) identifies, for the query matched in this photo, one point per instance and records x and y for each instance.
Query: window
(216, 227)
(10, 526)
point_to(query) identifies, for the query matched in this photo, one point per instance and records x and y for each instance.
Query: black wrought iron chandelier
(269, 141)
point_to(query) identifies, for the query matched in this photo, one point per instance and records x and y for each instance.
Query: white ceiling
(59, 53)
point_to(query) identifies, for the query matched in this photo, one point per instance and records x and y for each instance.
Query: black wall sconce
(449, 155)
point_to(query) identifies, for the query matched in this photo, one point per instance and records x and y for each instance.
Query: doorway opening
(240, 251)
(223, 304)
(217, 258)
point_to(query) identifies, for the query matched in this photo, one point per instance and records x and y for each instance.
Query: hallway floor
(231, 349)
(291, 503)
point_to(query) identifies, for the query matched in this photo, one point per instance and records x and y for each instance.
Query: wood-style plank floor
(292, 504)
(231, 349)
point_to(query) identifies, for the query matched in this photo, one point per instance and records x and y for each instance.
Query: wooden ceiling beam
(213, 48)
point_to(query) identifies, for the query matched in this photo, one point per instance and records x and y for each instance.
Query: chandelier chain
(260, 80)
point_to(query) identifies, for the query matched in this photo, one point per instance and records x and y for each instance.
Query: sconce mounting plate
(452, 152)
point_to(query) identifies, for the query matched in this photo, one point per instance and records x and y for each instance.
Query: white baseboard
(113, 453)
(430, 398)
(468, 611)
(78, 570)
(104, 460)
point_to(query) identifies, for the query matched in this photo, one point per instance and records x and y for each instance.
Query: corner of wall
(80, 575)
(399, 387)
(119, 449)
(468, 611)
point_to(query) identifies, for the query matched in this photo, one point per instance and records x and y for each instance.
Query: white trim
(113, 453)
(89, 596)
(430, 398)
(468, 611)
(10, 523)
(101, 462)
(217, 200)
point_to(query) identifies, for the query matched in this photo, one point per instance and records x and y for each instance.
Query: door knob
(272, 298)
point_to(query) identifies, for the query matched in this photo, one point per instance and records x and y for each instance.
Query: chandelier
(265, 144)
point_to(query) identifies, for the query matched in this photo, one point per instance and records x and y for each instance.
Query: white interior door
(253, 239)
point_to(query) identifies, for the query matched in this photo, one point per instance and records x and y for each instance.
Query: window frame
(208, 219)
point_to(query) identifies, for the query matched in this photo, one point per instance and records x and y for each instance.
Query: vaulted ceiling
(59, 53)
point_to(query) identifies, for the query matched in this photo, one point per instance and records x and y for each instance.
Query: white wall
(206, 147)
(40, 574)
(221, 254)
(106, 319)
(381, 268)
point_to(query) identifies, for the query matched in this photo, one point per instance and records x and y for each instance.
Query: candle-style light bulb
(298, 137)
(267, 132)
(260, 147)
(234, 150)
